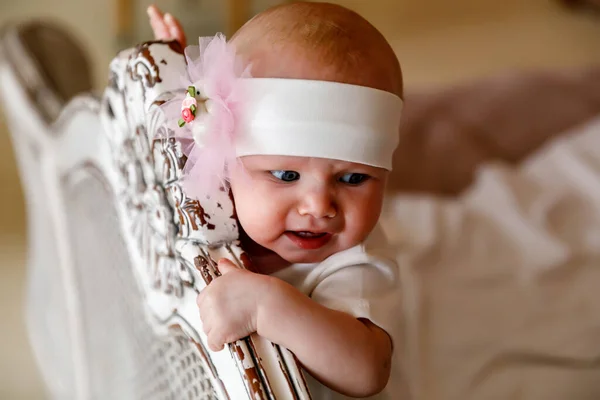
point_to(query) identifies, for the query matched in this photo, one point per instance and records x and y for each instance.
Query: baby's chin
(304, 258)
(300, 256)
(288, 255)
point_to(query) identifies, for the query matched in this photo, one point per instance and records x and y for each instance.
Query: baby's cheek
(359, 227)
(364, 216)
(253, 212)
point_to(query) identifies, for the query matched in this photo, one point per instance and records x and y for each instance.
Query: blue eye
(286, 176)
(354, 178)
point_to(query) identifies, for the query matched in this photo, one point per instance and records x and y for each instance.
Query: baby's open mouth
(305, 234)
(308, 240)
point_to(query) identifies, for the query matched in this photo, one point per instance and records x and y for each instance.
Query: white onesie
(362, 281)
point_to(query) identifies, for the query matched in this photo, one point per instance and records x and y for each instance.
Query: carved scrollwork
(173, 160)
(149, 215)
(143, 67)
(177, 239)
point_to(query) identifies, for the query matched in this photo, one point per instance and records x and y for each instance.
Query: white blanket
(502, 286)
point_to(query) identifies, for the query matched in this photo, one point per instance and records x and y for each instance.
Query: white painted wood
(130, 252)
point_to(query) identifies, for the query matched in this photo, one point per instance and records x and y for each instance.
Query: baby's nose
(318, 204)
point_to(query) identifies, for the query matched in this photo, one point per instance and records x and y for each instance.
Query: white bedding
(502, 286)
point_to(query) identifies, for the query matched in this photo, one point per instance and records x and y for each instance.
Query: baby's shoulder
(375, 249)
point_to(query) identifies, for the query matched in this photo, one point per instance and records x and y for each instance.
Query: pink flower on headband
(204, 115)
(189, 106)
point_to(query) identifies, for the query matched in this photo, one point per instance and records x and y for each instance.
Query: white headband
(293, 117)
(228, 115)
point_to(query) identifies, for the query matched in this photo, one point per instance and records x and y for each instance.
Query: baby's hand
(229, 305)
(165, 27)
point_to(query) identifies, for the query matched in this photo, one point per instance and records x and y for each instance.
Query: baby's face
(306, 209)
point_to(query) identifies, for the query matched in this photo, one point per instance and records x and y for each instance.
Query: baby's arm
(348, 355)
(165, 27)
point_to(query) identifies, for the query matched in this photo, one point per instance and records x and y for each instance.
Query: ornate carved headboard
(118, 252)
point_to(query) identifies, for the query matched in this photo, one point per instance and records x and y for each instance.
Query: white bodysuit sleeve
(362, 284)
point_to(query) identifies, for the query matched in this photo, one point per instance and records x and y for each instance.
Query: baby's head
(319, 41)
(308, 208)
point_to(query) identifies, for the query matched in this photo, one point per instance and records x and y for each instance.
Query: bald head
(319, 41)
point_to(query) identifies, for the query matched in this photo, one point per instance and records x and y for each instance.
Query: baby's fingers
(225, 266)
(215, 341)
(175, 29)
(158, 24)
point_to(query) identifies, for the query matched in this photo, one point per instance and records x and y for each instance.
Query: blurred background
(440, 43)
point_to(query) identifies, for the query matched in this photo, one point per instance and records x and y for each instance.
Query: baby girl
(308, 198)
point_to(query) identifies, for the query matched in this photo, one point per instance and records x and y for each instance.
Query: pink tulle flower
(204, 115)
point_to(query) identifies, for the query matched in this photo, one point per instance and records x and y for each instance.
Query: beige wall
(439, 42)
(89, 20)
